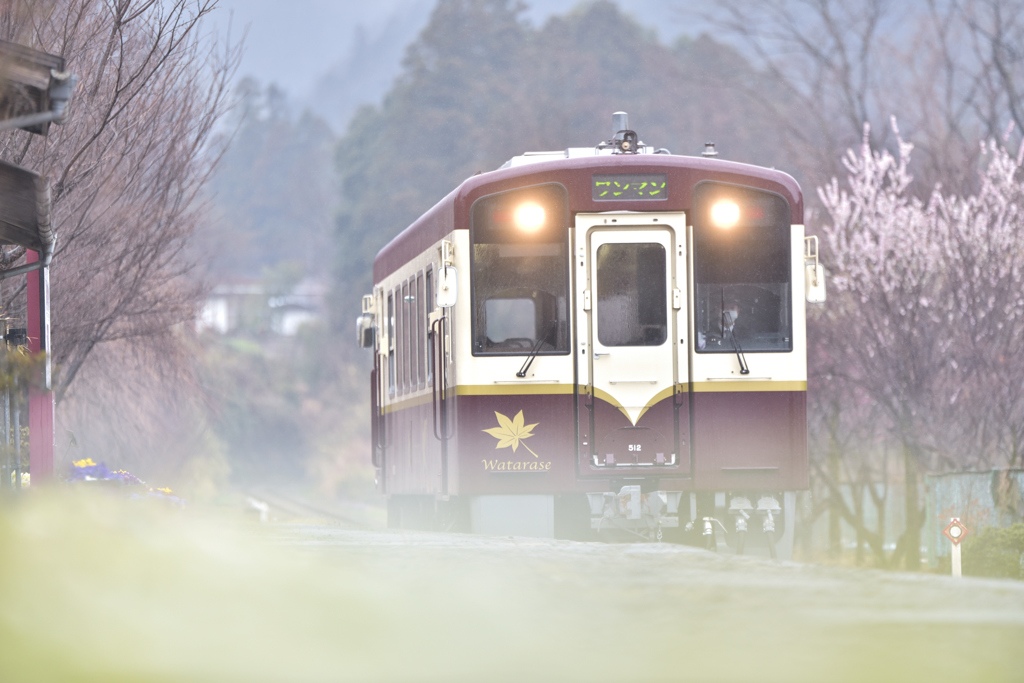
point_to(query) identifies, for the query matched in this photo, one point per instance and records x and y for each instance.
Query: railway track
(276, 505)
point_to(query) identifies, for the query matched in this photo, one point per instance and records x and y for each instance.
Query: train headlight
(725, 214)
(530, 217)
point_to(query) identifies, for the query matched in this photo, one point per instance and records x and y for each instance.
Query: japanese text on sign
(630, 187)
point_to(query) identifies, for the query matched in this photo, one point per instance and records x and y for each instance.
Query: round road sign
(955, 531)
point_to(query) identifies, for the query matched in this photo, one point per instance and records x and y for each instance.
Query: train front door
(631, 280)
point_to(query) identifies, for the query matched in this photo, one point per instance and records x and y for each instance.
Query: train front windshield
(520, 272)
(742, 271)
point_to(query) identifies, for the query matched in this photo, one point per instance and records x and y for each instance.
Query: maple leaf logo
(512, 432)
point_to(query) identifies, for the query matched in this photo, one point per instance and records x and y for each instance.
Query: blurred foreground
(97, 588)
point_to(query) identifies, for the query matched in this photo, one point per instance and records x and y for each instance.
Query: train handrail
(439, 386)
(379, 413)
(374, 419)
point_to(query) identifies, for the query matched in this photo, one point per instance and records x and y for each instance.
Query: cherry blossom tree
(925, 310)
(985, 268)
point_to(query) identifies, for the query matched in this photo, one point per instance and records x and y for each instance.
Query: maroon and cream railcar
(606, 339)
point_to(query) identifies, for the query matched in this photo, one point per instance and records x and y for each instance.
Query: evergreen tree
(274, 189)
(480, 85)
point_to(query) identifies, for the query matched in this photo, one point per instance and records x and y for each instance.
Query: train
(599, 342)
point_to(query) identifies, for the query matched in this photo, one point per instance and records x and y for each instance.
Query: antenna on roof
(624, 140)
(620, 122)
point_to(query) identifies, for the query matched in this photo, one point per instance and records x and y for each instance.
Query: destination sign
(630, 187)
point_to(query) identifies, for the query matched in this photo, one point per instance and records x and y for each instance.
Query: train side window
(421, 331)
(391, 344)
(428, 307)
(407, 350)
(399, 345)
(414, 335)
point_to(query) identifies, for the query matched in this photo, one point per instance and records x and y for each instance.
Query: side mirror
(365, 331)
(447, 286)
(814, 272)
(814, 283)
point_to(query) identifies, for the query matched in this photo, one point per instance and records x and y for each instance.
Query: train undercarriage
(745, 522)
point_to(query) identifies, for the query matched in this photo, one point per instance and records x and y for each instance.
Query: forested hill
(274, 189)
(480, 84)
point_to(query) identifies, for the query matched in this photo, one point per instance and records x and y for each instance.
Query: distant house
(304, 305)
(245, 305)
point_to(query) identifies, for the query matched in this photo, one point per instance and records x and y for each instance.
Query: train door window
(631, 287)
(399, 345)
(391, 344)
(421, 332)
(520, 272)
(407, 351)
(742, 271)
(428, 307)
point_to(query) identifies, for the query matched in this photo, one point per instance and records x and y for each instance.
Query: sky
(294, 43)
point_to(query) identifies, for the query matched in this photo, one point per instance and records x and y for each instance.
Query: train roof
(572, 169)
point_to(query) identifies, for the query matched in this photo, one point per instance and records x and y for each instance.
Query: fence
(979, 499)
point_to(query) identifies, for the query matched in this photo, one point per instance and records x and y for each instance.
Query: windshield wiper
(744, 370)
(729, 323)
(535, 350)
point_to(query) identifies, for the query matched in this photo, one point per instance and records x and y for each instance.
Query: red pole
(41, 426)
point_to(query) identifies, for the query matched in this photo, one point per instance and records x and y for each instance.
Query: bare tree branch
(128, 167)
